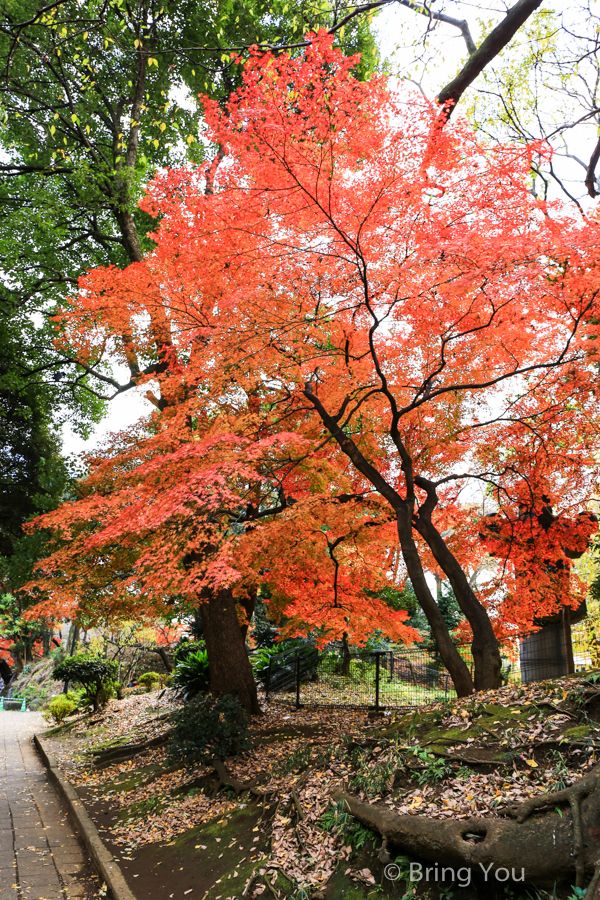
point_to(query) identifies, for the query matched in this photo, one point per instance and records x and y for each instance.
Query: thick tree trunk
(459, 671)
(5, 672)
(131, 238)
(248, 602)
(485, 649)
(547, 848)
(230, 670)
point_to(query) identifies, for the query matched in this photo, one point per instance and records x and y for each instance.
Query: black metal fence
(380, 679)
(402, 678)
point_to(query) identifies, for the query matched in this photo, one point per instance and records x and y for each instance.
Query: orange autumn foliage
(355, 308)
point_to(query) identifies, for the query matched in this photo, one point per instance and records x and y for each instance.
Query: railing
(14, 703)
(288, 670)
(401, 678)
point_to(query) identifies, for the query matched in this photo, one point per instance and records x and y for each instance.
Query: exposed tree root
(547, 847)
(226, 779)
(115, 755)
(573, 796)
(463, 758)
(592, 892)
(297, 804)
(177, 767)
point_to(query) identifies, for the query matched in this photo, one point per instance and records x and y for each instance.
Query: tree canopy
(365, 314)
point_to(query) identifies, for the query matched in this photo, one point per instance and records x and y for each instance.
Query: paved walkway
(40, 857)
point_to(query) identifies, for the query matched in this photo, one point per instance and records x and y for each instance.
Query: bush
(150, 680)
(207, 728)
(261, 661)
(94, 674)
(185, 647)
(191, 675)
(60, 707)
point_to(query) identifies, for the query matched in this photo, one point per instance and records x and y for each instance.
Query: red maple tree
(361, 306)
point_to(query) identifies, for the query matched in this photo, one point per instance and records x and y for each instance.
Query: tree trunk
(230, 670)
(485, 649)
(248, 602)
(5, 672)
(345, 656)
(164, 656)
(459, 671)
(75, 630)
(403, 510)
(547, 848)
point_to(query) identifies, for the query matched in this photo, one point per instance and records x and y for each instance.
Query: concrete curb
(104, 861)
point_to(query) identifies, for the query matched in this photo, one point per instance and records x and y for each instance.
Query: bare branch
(494, 43)
(590, 182)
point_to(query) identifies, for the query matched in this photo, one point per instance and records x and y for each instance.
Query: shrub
(261, 660)
(185, 647)
(94, 674)
(60, 707)
(150, 680)
(191, 675)
(209, 727)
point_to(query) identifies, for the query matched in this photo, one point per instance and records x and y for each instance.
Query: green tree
(95, 98)
(93, 673)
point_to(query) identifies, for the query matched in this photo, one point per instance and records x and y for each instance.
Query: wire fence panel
(381, 679)
(404, 678)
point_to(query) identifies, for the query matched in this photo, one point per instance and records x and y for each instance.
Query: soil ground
(177, 833)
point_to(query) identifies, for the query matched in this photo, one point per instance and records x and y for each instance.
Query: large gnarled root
(226, 779)
(573, 795)
(547, 848)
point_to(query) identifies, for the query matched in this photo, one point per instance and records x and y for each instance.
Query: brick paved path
(40, 858)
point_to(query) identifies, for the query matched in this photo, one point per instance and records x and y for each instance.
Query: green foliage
(263, 629)
(191, 676)
(337, 820)
(96, 675)
(261, 661)
(434, 770)
(375, 777)
(297, 761)
(210, 727)
(33, 475)
(150, 680)
(184, 648)
(60, 707)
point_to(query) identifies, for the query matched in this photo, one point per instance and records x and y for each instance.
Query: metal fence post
(391, 678)
(297, 679)
(268, 679)
(377, 659)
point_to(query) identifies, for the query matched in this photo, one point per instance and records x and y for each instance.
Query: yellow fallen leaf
(532, 763)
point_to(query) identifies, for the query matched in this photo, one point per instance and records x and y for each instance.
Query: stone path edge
(103, 860)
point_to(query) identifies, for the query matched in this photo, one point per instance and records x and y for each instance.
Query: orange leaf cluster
(441, 314)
